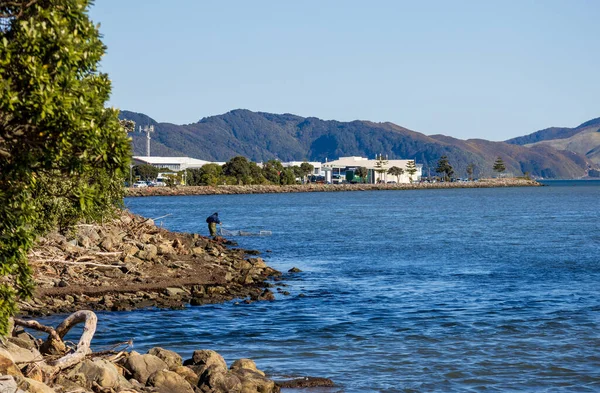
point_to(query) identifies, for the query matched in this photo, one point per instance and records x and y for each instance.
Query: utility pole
(147, 130)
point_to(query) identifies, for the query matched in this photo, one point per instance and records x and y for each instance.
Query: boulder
(247, 364)
(169, 382)
(175, 292)
(142, 366)
(8, 366)
(9, 385)
(188, 374)
(149, 252)
(107, 243)
(203, 359)
(130, 249)
(21, 355)
(217, 380)
(258, 263)
(172, 359)
(100, 371)
(165, 248)
(198, 250)
(255, 382)
(32, 386)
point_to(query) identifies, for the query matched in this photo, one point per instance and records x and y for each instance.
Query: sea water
(416, 290)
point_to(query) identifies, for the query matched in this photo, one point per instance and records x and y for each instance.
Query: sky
(463, 68)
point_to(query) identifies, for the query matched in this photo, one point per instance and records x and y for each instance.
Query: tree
(444, 167)
(470, 170)
(396, 171)
(53, 125)
(499, 165)
(411, 169)
(287, 177)
(380, 165)
(146, 171)
(362, 172)
(306, 169)
(272, 170)
(238, 168)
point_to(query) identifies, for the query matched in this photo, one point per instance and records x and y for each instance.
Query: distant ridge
(261, 136)
(583, 139)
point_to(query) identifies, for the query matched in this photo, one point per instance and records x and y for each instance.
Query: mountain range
(550, 153)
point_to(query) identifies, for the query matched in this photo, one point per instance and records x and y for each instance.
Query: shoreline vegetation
(316, 187)
(124, 264)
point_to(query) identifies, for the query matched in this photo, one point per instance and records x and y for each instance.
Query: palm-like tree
(395, 171)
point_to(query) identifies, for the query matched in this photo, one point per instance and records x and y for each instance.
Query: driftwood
(82, 263)
(83, 347)
(53, 345)
(55, 342)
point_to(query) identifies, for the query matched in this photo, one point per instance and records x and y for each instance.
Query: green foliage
(63, 155)
(362, 172)
(499, 165)
(272, 171)
(444, 167)
(380, 164)
(470, 170)
(238, 168)
(287, 177)
(146, 171)
(208, 175)
(396, 171)
(411, 169)
(305, 170)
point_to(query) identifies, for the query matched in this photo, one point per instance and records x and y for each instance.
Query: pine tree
(411, 169)
(444, 167)
(499, 165)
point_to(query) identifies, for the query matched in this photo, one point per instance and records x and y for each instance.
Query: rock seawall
(270, 189)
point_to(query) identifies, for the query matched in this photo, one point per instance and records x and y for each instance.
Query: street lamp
(130, 175)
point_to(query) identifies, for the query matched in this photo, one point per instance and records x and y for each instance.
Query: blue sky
(467, 69)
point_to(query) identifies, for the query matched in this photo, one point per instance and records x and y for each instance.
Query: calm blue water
(428, 290)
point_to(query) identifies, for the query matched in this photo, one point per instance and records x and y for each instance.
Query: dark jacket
(213, 218)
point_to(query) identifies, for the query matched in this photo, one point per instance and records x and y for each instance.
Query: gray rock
(253, 381)
(188, 374)
(21, 355)
(142, 366)
(172, 359)
(9, 385)
(174, 292)
(100, 371)
(33, 386)
(8, 366)
(169, 382)
(247, 364)
(215, 379)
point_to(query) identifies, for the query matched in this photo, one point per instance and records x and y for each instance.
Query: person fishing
(212, 221)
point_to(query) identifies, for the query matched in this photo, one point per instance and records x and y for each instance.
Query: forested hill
(264, 136)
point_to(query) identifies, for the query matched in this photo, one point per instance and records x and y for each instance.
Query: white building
(315, 164)
(175, 164)
(343, 164)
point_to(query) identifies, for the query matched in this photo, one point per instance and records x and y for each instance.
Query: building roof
(184, 162)
(344, 162)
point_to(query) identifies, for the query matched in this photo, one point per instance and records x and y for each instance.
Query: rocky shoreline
(313, 187)
(125, 264)
(131, 263)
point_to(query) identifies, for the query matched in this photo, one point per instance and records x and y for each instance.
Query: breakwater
(312, 187)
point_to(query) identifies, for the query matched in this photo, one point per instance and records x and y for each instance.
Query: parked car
(140, 184)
